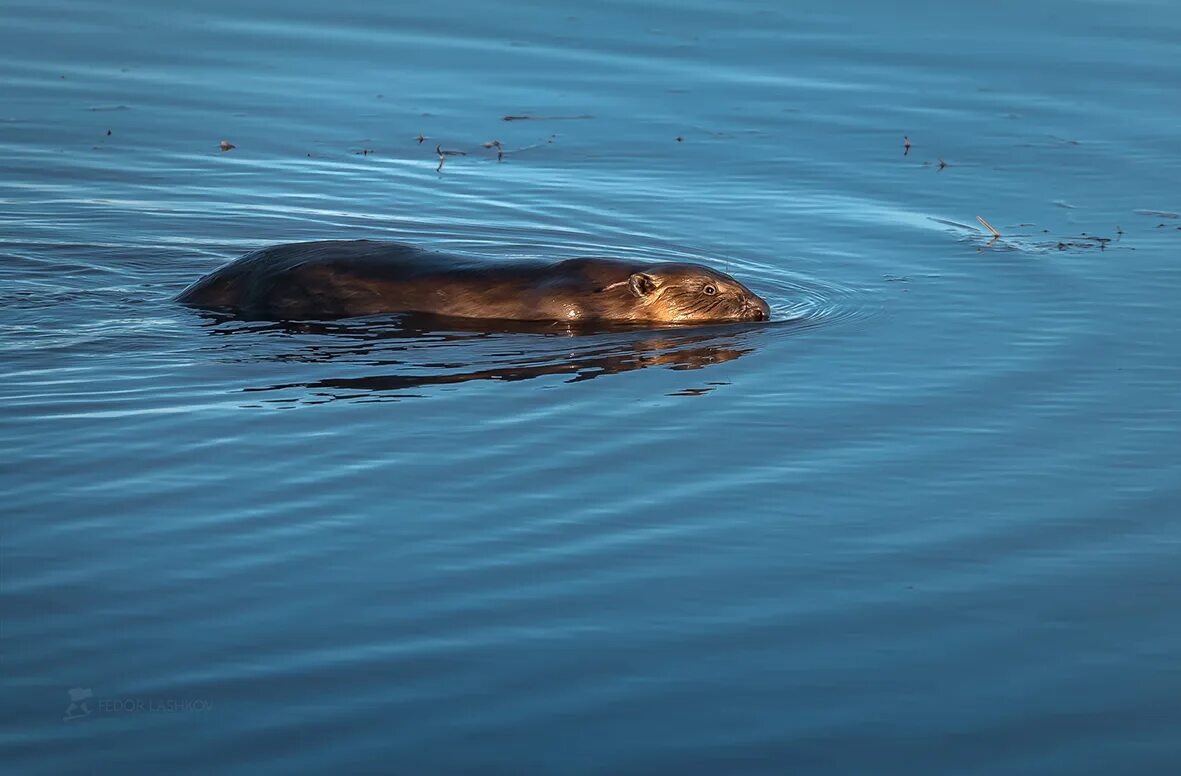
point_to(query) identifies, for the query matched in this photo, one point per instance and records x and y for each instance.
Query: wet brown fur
(344, 278)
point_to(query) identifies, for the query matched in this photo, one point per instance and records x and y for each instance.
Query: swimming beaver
(343, 278)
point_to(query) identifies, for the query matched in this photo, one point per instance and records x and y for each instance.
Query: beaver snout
(755, 309)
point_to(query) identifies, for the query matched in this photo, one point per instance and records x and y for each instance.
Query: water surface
(928, 520)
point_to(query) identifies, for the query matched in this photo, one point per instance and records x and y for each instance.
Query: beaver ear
(641, 283)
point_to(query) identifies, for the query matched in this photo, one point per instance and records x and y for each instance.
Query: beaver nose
(757, 309)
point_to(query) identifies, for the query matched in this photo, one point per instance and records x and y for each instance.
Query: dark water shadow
(395, 357)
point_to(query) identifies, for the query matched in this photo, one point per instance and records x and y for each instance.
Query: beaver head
(690, 293)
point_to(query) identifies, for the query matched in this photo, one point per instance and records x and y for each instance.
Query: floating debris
(444, 154)
(680, 139)
(692, 392)
(1024, 242)
(546, 118)
(1085, 241)
(108, 133)
(1158, 213)
(226, 145)
(501, 151)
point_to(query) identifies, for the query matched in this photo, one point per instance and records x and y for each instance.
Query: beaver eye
(709, 290)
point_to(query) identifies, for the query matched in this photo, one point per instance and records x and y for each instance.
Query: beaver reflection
(395, 357)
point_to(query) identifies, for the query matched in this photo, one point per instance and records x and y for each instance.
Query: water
(931, 524)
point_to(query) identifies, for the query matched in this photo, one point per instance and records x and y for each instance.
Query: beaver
(345, 278)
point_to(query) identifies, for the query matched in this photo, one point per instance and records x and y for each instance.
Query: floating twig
(444, 154)
(995, 234)
(499, 149)
(546, 118)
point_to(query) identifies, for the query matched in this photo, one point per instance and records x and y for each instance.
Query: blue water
(929, 520)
